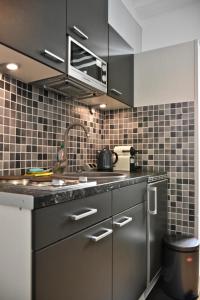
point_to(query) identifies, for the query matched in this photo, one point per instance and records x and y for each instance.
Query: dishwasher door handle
(154, 190)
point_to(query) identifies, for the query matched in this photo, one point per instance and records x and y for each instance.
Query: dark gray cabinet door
(87, 22)
(34, 26)
(157, 225)
(128, 196)
(129, 253)
(76, 267)
(120, 69)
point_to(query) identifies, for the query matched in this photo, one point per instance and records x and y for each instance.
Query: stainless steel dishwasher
(156, 225)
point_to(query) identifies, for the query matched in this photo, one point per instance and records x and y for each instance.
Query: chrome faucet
(66, 139)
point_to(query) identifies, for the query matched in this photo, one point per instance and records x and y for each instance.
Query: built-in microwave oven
(85, 66)
(85, 77)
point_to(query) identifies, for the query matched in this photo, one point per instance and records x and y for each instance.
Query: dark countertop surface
(35, 198)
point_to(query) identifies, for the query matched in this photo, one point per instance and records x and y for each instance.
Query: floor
(158, 294)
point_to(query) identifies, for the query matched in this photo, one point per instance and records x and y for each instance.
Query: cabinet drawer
(56, 222)
(128, 196)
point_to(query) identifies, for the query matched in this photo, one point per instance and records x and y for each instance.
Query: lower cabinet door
(129, 253)
(76, 268)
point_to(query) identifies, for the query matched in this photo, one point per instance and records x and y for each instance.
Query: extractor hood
(69, 87)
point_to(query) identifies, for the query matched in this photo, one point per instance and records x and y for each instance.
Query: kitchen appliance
(123, 163)
(105, 160)
(86, 74)
(156, 225)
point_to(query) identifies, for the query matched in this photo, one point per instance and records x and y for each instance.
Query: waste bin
(180, 275)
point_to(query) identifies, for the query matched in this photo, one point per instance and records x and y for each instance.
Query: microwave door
(86, 66)
(84, 62)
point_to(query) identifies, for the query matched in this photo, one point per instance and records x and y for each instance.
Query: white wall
(165, 75)
(16, 256)
(172, 28)
(197, 147)
(122, 21)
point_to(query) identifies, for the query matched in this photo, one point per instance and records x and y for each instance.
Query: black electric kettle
(105, 160)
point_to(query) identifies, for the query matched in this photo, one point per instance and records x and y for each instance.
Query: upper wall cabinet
(35, 28)
(87, 22)
(120, 69)
(165, 75)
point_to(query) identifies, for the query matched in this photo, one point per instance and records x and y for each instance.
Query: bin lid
(182, 243)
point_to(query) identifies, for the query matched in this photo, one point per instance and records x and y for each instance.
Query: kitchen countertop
(28, 198)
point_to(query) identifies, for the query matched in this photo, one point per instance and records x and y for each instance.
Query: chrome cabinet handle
(97, 238)
(126, 221)
(89, 212)
(52, 56)
(116, 92)
(80, 33)
(154, 190)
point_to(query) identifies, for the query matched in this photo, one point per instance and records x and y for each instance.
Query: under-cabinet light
(12, 66)
(103, 105)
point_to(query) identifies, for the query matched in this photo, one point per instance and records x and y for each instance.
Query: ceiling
(143, 10)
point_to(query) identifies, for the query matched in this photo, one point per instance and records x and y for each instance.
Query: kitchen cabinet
(82, 258)
(120, 69)
(129, 253)
(35, 28)
(129, 242)
(72, 245)
(76, 267)
(127, 197)
(87, 22)
(89, 248)
(166, 75)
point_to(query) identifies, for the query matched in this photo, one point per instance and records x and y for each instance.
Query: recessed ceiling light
(12, 66)
(103, 105)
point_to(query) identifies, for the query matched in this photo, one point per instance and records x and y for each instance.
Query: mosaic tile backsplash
(33, 122)
(32, 127)
(164, 137)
